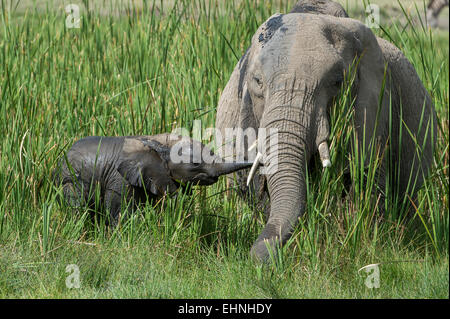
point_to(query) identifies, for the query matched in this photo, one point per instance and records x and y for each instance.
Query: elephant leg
(255, 195)
(113, 206)
(348, 184)
(263, 203)
(72, 195)
(378, 190)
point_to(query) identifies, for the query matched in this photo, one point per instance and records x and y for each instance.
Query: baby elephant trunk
(219, 169)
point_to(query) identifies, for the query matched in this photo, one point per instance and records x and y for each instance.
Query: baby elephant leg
(72, 195)
(113, 206)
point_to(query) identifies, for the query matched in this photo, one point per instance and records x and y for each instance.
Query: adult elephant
(287, 81)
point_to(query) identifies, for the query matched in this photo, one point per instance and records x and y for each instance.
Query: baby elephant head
(161, 168)
(191, 161)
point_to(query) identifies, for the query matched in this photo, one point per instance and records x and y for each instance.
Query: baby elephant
(136, 167)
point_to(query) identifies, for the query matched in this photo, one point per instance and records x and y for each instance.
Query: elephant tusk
(254, 167)
(324, 154)
(253, 146)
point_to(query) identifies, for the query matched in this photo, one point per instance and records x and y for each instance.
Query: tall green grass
(162, 66)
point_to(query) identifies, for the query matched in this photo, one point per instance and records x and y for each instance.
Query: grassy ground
(150, 71)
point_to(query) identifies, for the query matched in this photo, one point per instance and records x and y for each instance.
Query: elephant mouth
(204, 179)
(323, 149)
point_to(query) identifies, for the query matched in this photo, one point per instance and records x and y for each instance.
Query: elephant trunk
(286, 184)
(219, 169)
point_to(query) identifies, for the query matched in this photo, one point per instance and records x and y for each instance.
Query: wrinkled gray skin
(287, 80)
(319, 7)
(133, 168)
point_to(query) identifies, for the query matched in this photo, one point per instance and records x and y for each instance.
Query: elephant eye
(258, 80)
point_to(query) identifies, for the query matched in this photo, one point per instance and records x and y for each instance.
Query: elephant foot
(265, 250)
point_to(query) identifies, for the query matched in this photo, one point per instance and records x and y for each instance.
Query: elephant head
(289, 77)
(157, 167)
(319, 7)
(204, 169)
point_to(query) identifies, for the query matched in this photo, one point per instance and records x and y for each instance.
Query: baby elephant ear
(143, 165)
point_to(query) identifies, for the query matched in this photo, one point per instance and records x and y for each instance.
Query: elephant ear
(143, 164)
(372, 89)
